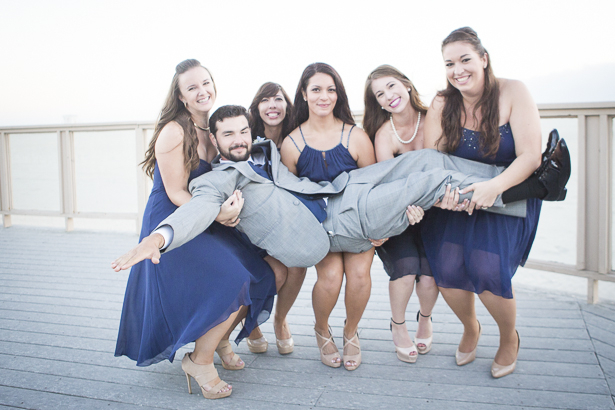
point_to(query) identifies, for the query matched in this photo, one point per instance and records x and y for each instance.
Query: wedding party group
(245, 200)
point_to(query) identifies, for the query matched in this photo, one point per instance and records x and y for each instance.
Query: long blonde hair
(175, 110)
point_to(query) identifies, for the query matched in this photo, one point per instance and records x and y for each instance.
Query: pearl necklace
(207, 129)
(416, 130)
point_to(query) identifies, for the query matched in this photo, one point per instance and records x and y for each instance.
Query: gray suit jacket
(372, 204)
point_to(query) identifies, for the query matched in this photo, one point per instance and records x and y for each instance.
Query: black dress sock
(530, 188)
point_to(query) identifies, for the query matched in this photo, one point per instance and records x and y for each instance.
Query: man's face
(233, 139)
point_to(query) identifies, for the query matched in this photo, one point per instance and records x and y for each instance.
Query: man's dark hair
(224, 112)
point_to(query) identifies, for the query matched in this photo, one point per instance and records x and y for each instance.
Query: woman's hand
(230, 209)
(378, 242)
(484, 195)
(414, 214)
(450, 200)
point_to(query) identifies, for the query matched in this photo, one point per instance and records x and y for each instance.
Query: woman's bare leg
(205, 346)
(427, 292)
(400, 291)
(286, 298)
(330, 272)
(504, 311)
(462, 304)
(357, 267)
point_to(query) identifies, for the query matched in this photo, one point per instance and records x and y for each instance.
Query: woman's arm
(361, 148)
(290, 153)
(525, 125)
(169, 151)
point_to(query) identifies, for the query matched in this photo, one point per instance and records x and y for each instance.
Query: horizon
(113, 62)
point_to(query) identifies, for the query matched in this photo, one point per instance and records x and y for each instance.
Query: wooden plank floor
(60, 306)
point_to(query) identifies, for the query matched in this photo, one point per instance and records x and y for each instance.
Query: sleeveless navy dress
(320, 165)
(481, 251)
(194, 287)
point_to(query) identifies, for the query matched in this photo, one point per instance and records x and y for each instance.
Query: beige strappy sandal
(203, 374)
(327, 359)
(224, 348)
(354, 341)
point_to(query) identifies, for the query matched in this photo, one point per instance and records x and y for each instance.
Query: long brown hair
(341, 109)
(257, 126)
(174, 110)
(488, 104)
(374, 116)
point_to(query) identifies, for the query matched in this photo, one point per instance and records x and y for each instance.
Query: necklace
(207, 129)
(416, 130)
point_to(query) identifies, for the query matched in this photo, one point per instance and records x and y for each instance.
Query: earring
(409, 89)
(382, 108)
(186, 104)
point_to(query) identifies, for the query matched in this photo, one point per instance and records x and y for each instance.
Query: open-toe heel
(328, 358)
(427, 342)
(354, 341)
(405, 354)
(224, 349)
(203, 374)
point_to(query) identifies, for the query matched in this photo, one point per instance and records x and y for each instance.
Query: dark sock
(530, 188)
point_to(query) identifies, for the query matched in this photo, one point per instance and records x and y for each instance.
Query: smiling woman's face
(321, 94)
(273, 109)
(391, 94)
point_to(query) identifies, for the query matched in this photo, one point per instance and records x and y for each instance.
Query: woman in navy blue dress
(270, 117)
(324, 144)
(394, 120)
(495, 121)
(197, 292)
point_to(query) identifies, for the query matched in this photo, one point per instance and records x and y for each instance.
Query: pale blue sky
(106, 61)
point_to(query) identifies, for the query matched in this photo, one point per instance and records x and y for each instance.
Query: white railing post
(67, 176)
(5, 178)
(581, 201)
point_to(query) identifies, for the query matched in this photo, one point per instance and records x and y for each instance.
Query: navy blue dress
(194, 287)
(481, 251)
(320, 165)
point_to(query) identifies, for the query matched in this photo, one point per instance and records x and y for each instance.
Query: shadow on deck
(60, 305)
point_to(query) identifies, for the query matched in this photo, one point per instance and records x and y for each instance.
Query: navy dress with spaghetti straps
(326, 165)
(481, 251)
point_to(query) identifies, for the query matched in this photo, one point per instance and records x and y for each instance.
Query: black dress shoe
(555, 175)
(551, 144)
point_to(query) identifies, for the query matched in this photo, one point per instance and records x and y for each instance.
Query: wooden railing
(66, 160)
(594, 242)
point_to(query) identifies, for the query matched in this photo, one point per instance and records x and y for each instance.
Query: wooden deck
(60, 306)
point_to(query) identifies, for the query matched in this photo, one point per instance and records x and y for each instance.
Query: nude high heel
(427, 342)
(203, 374)
(259, 345)
(285, 346)
(328, 358)
(498, 371)
(404, 353)
(465, 358)
(224, 348)
(353, 341)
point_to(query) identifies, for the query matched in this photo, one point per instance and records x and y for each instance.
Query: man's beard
(231, 156)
